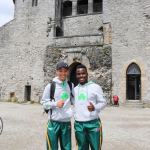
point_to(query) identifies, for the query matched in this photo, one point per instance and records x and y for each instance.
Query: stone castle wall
(96, 58)
(22, 48)
(29, 50)
(130, 43)
(82, 25)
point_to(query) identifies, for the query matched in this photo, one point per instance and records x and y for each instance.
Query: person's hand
(91, 107)
(60, 103)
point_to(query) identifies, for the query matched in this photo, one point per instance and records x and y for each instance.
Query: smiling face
(62, 74)
(82, 75)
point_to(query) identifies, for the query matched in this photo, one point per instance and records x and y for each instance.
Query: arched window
(67, 8)
(98, 6)
(59, 31)
(133, 82)
(82, 6)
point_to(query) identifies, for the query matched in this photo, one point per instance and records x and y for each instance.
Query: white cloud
(6, 11)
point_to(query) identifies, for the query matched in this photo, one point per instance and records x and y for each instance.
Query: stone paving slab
(25, 126)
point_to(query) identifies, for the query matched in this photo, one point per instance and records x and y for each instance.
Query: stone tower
(23, 42)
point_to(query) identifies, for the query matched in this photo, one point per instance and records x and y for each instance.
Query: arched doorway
(72, 73)
(133, 77)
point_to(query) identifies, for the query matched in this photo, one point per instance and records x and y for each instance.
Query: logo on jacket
(82, 96)
(64, 96)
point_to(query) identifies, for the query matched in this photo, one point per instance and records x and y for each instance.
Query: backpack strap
(52, 90)
(71, 94)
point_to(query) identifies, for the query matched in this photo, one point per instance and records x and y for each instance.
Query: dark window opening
(98, 6)
(82, 7)
(59, 32)
(72, 73)
(34, 3)
(27, 96)
(67, 8)
(12, 94)
(133, 82)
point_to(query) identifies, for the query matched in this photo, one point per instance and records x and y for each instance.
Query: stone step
(134, 103)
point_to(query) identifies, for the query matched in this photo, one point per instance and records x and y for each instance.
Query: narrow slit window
(59, 31)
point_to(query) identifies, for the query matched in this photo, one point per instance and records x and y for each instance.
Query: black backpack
(52, 92)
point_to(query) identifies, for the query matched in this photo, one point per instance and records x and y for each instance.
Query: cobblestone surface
(25, 126)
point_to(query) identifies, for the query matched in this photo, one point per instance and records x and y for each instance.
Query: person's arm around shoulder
(100, 99)
(45, 101)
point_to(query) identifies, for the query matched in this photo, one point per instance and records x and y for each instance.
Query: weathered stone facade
(107, 39)
(130, 44)
(22, 46)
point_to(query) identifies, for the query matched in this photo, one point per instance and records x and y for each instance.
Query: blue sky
(6, 11)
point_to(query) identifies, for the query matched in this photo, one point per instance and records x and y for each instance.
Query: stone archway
(72, 73)
(123, 82)
(133, 82)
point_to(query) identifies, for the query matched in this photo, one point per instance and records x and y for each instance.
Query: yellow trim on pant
(101, 134)
(48, 140)
(76, 143)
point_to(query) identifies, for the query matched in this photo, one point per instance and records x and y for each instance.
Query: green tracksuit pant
(58, 131)
(88, 134)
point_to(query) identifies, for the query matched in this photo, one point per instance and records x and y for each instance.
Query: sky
(6, 11)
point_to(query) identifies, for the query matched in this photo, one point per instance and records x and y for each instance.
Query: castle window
(34, 3)
(98, 6)
(82, 6)
(67, 8)
(59, 31)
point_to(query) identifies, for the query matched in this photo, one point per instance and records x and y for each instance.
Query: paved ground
(25, 125)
